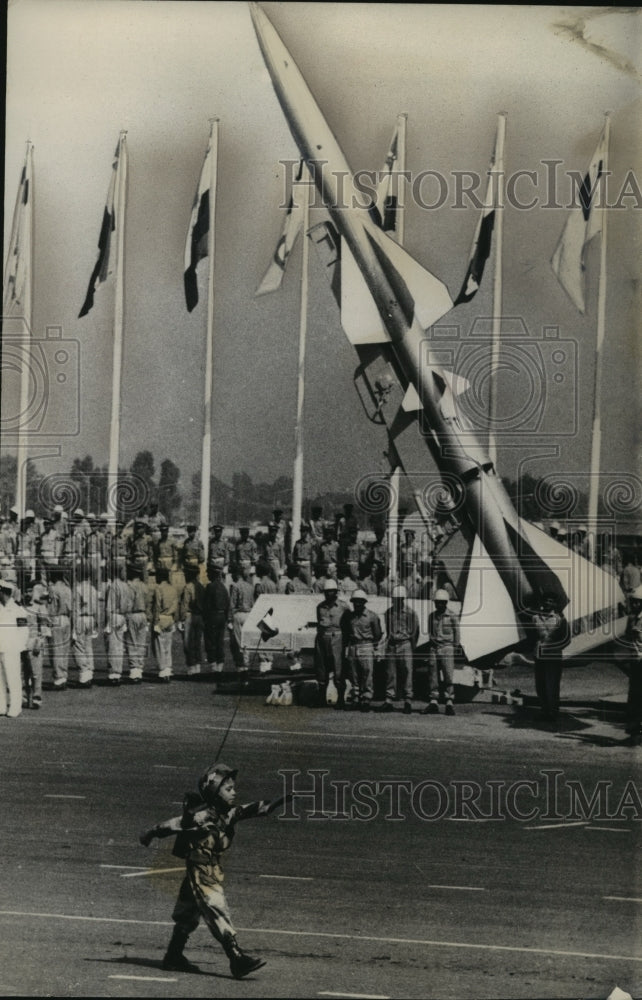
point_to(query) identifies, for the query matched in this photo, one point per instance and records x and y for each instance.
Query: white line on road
(608, 829)
(463, 888)
(65, 796)
(342, 736)
(354, 996)
(555, 826)
(623, 899)
(326, 935)
(135, 868)
(167, 767)
(152, 871)
(291, 878)
(147, 979)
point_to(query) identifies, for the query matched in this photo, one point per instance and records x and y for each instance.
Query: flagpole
(206, 458)
(596, 436)
(297, 491)
(21, 445)
(395, 474)
(119, 312)
(498, 168)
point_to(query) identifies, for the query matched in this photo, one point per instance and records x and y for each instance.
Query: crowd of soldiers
(72, 577)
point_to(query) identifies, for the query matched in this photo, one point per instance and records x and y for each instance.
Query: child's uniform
(203, 833)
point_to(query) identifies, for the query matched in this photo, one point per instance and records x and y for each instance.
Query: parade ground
(383, 881)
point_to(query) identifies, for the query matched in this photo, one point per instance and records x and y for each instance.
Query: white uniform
(14, 636)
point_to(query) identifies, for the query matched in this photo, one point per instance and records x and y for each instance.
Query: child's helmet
(210, 782)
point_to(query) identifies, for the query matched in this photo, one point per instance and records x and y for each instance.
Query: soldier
(60, 611)
(443, 628)
(304, 553)
(118, 605)
(328, 648)
(137, 623)
(192, 553)
(154, 518)
(296, 582)
(246, 549)
(350, 551)
(216, 609)
(164, 551)
(26, 550)
(115, 548)
(633, 637)
(283, 531)
(347, 524)
(37, 614)
(190, 615)
(552, 635)
(273, 552)
(48, 549)
(205, 831)
(402, 631)
(85, 606)
(378, 552)
(327, 572)
(13, 642)
(362, 633)
(316, 525)
(164, 617)
(218, 550)
(370, 583)
(139, 549)
(329, 549)
(241, 603)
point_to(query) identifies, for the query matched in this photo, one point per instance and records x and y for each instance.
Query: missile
(388, 300)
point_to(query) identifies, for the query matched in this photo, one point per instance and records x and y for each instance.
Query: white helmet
(330, 584)
(441, 595)
(359, 595)
(399, 591)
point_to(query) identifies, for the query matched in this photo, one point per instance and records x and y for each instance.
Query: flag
(113, 216)
(266, 626)
(292, 226)
(385, 211)
(17, 272)
(196, 246)
(582, 225)
(480, 250)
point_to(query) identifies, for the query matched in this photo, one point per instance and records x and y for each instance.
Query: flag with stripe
(583, 223)
(17, 273)
(292, 225)
(196, 246)
(482, 239)
(113, 216)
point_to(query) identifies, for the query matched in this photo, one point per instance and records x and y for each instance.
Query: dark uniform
(552, 635)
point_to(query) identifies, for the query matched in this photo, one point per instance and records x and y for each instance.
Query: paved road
(371, 898)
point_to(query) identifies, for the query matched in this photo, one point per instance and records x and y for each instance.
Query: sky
(79, 71)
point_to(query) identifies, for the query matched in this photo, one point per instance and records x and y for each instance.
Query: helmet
(210, 782)
(555, 525)
(637, 594)
(330, 584)
(441, 595)
(582, 528)
(359, 595)
(399, 591)
(30, 514)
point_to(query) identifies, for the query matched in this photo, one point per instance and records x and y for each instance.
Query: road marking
(343, 736)
(609, 829)
(327, 935)
(361, 996)
(556, 826)
(147, 979)
(623, 899)
(291, 878)
(65, 796)
(168, 767)
(152, 871)
(463, 888)
(135, 868)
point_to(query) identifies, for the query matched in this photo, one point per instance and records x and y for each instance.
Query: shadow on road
(148, 963)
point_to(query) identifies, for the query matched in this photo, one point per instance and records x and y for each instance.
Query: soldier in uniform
(246, 549)
(60, 611)
(273, 552)
(14, 637)
(443, 628)
(316, 525)
(216, 609)
(118, 605)
(362, 633)
(139, 549)
(205, 830)
(218, 550)
(328, 551)
(85, 607)
(552, 635)
(190, 615)
(192, 553)
(633, 637)
(241, 603)
(304, 554)
(328, 647)
(164, 617)
(137, 623)
(402, 631)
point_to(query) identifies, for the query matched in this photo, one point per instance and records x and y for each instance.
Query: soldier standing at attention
(402, 631)
(190, 615)
(164, 617)
(362, 633)
(216, 608)
(137, 623)
(443, 628)
(118, 604)
(241, 603)
(60, 609)
(328, 648)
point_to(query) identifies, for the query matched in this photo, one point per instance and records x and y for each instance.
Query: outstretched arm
(166, 829)
(261, 808)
